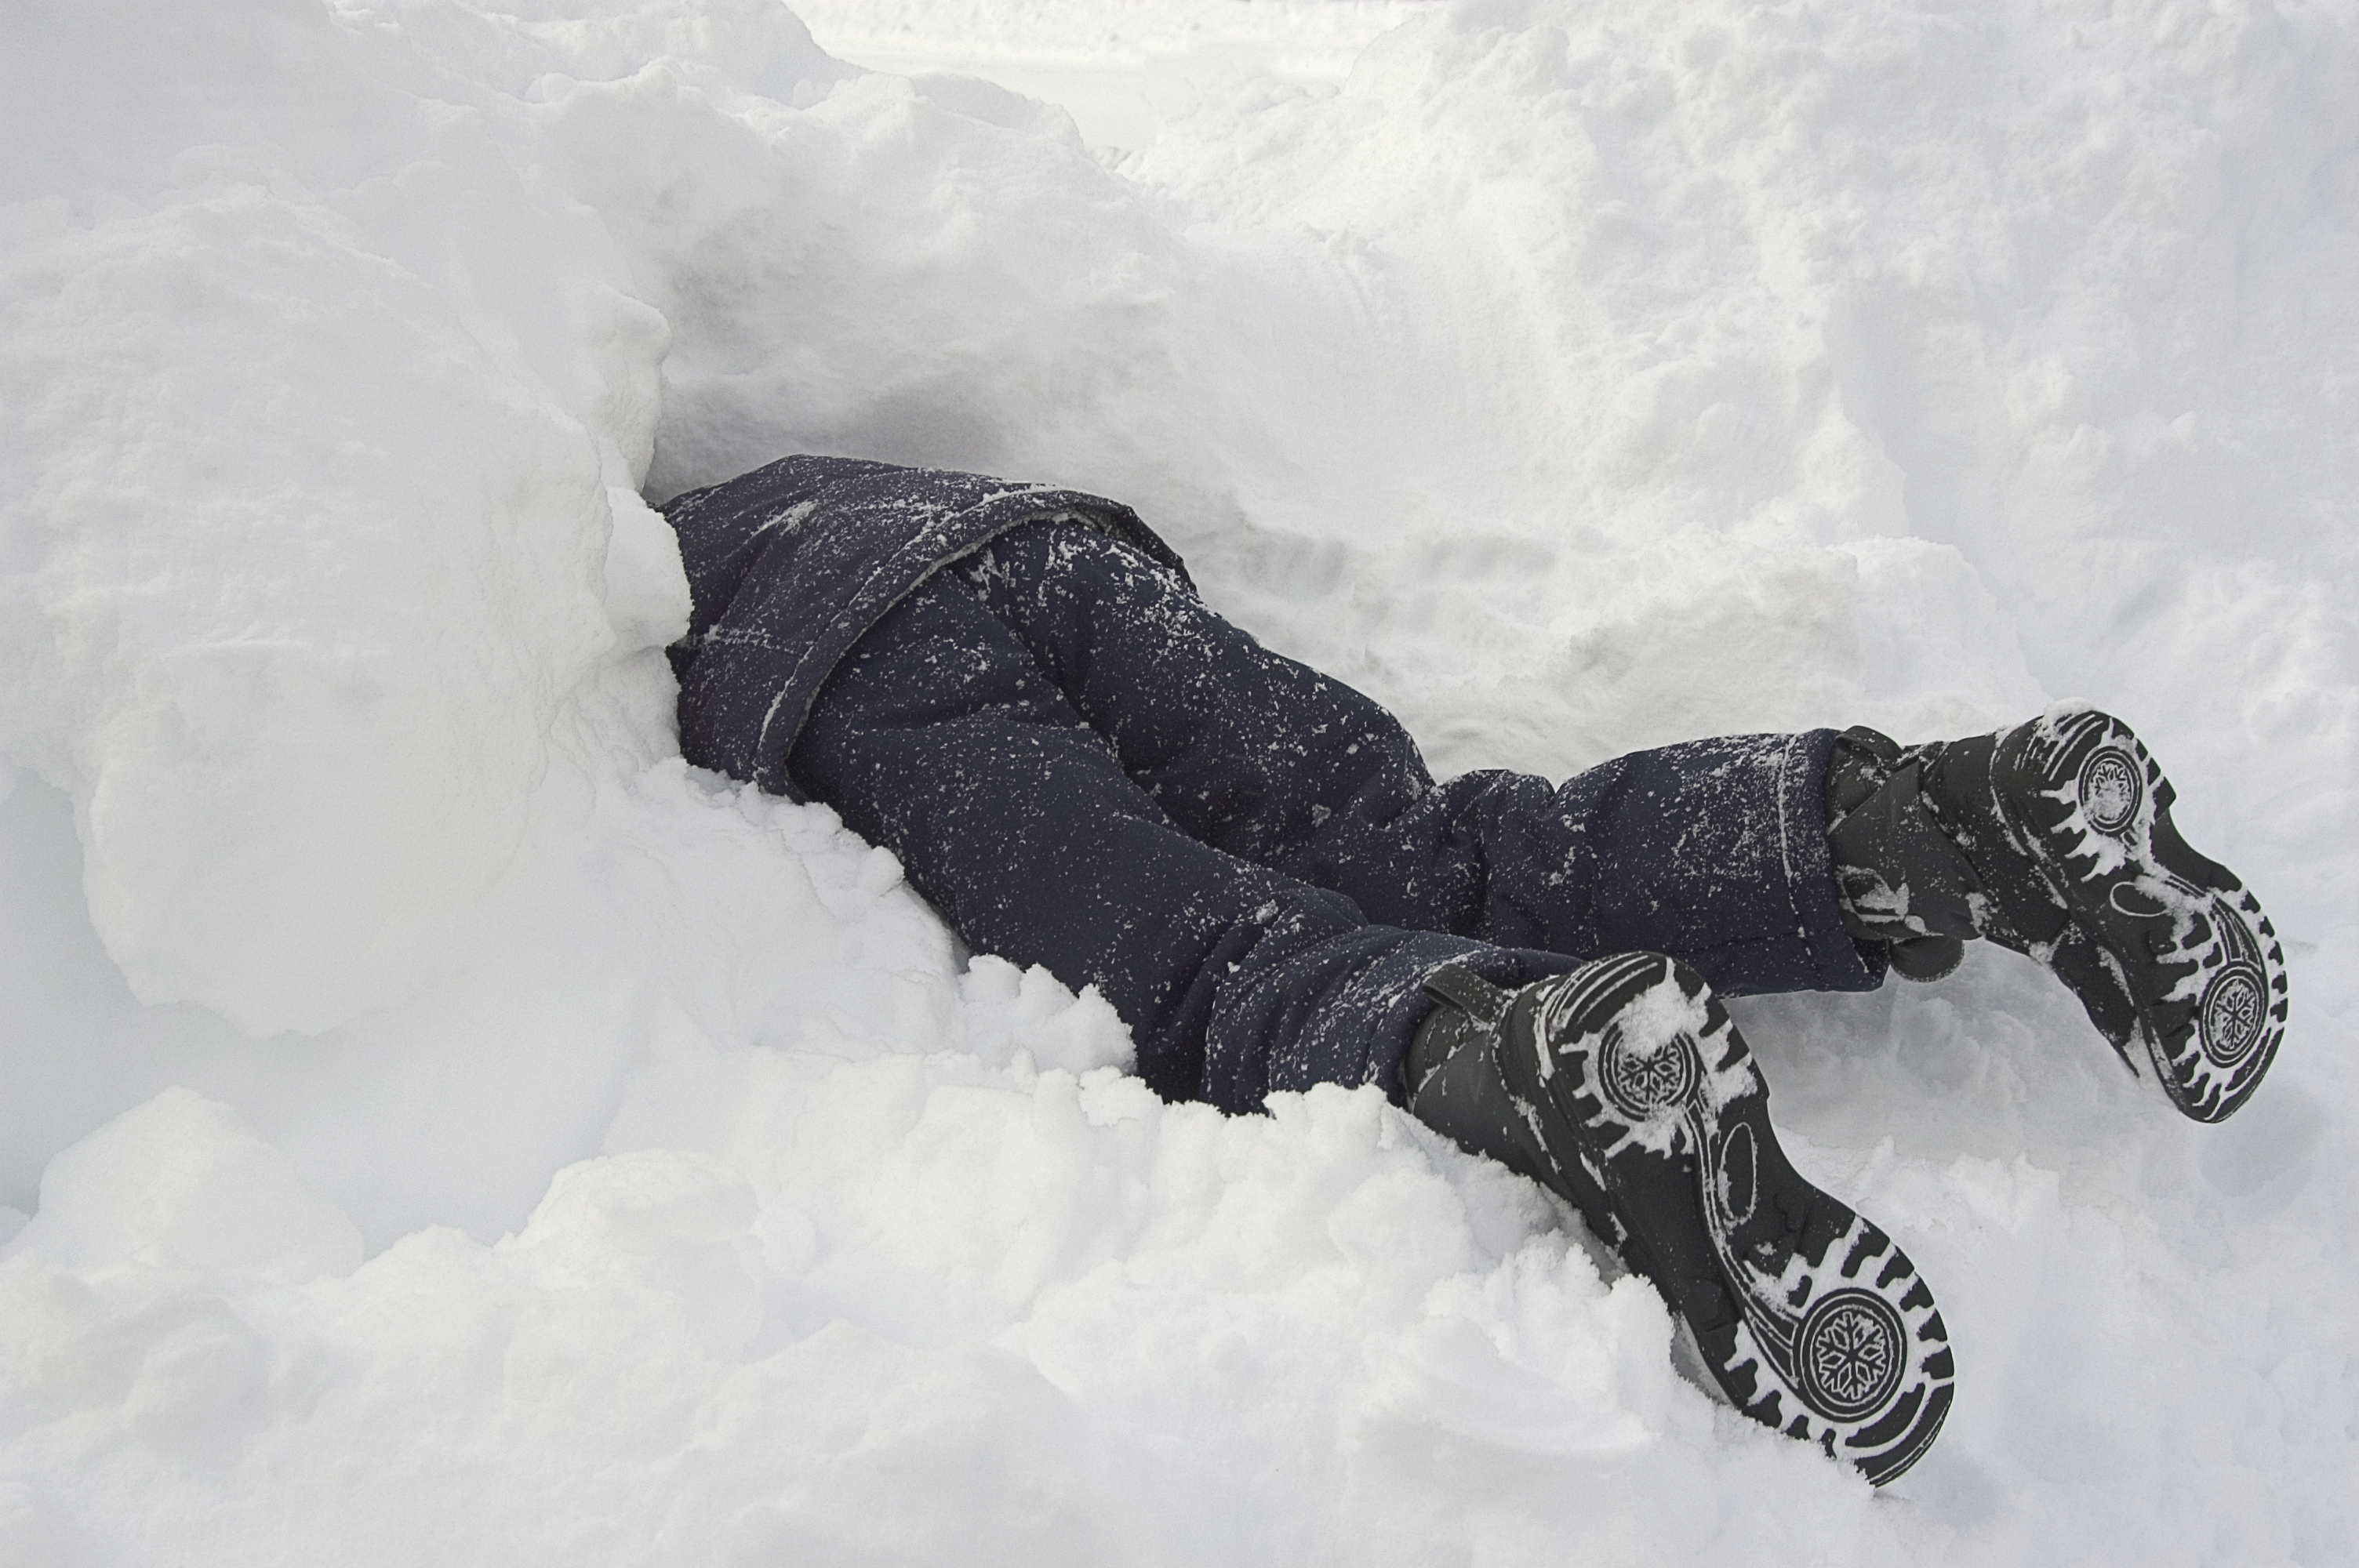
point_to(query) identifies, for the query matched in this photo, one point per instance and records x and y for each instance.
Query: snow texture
(437, 1125)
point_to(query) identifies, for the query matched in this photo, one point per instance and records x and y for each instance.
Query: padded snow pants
(1082, 766)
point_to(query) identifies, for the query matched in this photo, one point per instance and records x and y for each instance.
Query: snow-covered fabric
(1085, 768)
(1013, 734)
(791, 563)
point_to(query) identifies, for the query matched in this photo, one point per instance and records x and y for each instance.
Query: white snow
(435, 1124)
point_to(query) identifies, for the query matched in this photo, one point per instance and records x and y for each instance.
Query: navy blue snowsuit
(1017, 690)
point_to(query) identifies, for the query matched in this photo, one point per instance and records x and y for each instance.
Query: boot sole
(2200, 962)
(1808, 1317)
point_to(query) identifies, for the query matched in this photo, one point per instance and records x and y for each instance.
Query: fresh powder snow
(437, 1125)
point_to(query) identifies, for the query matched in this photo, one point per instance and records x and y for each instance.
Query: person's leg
(1714, 852)
(940, 738)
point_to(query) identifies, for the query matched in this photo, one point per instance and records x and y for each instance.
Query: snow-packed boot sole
(2199, 963)
(1649, 1113)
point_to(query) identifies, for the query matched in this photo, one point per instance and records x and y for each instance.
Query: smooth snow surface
(454, 1131)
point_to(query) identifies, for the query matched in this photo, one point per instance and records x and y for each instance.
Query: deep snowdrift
(451, 1127)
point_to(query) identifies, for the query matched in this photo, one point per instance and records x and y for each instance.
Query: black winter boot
(1625, 1087)
(2055, 838)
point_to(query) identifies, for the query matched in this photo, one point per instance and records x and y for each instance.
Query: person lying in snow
(1017, 690)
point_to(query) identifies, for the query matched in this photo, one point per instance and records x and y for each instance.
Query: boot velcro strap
(1469, 992)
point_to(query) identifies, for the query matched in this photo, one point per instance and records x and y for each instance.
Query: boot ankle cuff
(1900, 878)
(1860, 763)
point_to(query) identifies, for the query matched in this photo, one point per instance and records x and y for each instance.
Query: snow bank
(427, 1103)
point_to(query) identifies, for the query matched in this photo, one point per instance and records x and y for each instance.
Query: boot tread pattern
(2201, 963)
(1811, 1320)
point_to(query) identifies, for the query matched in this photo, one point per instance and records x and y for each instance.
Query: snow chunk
(182, 1182)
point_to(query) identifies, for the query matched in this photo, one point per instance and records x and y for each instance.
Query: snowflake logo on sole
(1643, 1087)
(2111, 790)
(2232, 1005)
(1853, 1352)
